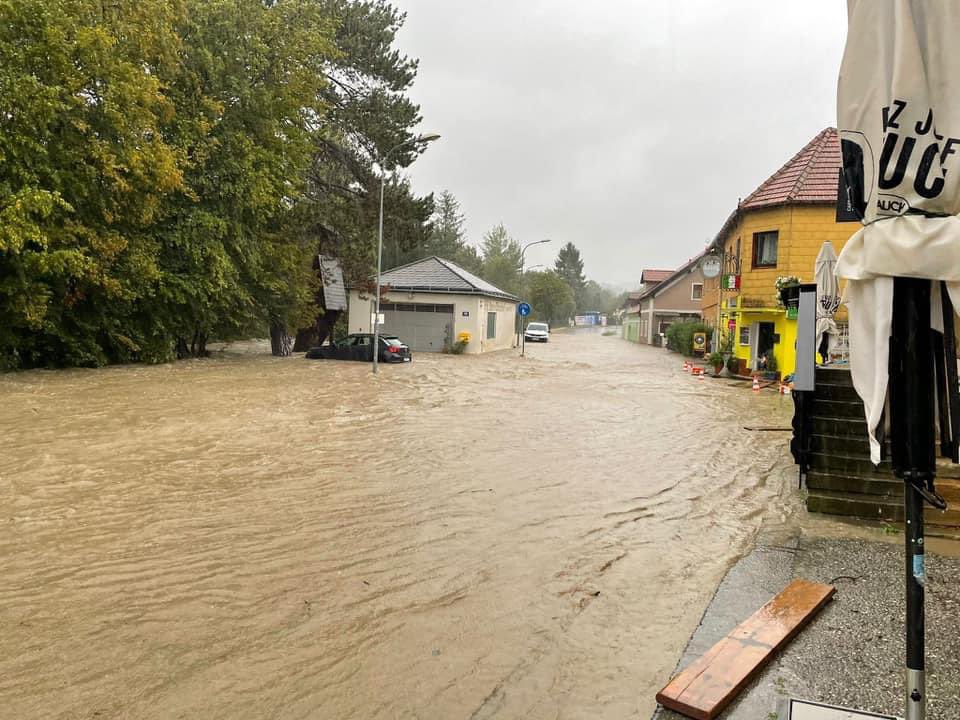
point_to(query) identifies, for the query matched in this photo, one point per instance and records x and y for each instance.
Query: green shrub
(455, 348)
(733, 365)
(680, 336)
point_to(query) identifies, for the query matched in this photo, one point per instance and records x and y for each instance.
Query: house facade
(673, 296)
(776, 232)
(431, 302)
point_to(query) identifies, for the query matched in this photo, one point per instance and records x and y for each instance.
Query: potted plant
(715, 360)
(733, 365)
(788, 291)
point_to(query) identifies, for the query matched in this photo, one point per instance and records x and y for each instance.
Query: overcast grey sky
(629, 127)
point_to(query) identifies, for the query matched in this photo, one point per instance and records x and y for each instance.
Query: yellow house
(776, 232)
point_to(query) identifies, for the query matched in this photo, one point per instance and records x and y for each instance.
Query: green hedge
(680, 335)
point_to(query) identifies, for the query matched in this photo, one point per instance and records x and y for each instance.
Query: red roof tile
(654, 276)
(810, 176)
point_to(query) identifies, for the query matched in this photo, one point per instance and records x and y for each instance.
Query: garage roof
(434, 274)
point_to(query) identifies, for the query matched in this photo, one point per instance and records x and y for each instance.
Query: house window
(491, 325)
(696, 292)
(744, 334)
(765, 249)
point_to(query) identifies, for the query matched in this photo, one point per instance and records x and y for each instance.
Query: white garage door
(425, 327)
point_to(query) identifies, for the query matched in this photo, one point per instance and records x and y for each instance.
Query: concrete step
(837, 409)
(868, 507)
(840, 427)
(844, 393)
(855, 446)
(835, 376)
(883, 487)
(884, 507)
(853, 466)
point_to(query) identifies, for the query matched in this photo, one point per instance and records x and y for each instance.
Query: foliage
(733, 365)
(715, 360)
(368, 114)
(569, 266)
(680, 335)
(169, 169)
(501, 259)
(446, 237)
(596, 297)
(784, 281)
(551, 298)
(726, 342)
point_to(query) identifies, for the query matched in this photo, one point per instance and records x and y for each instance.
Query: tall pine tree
(569, 266)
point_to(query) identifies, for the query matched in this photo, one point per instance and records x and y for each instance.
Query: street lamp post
(421, 139)
(522, 253)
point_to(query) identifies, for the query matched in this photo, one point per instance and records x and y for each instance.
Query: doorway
(762, 336)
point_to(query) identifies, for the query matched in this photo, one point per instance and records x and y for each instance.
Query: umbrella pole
(913, 455)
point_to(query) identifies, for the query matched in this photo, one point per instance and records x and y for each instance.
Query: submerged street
(462, 537)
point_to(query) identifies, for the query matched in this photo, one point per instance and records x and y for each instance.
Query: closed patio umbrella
(828, 299)
(898, 109)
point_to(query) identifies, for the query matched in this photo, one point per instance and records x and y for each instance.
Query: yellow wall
(802, 229)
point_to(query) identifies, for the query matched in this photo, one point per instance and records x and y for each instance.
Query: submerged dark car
(359, 346)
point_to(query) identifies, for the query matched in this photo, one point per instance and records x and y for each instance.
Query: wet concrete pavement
(464, 537)
(852, 653)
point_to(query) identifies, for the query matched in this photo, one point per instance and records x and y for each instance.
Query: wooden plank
(710, 683)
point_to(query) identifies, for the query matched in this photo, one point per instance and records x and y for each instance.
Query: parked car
(359, 347)
(537, 332)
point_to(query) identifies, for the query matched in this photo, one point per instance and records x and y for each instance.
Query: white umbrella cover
(828, 296)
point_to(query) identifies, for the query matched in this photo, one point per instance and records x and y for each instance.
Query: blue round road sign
(523, 309)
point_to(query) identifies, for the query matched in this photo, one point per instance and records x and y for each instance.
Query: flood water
(461, 537)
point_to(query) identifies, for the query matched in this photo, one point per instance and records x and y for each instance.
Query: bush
(715, 360)
(733, 365)
(680, 336)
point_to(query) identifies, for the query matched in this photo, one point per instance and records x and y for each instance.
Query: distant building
(776, 231)
(431, 302)
(667, 296)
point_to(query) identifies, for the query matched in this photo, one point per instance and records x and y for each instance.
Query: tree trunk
(317, 333)
(281, 344)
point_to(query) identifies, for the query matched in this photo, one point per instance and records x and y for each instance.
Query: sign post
(523, 310)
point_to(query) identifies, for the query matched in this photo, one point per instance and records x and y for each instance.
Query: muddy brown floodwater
(462, 537)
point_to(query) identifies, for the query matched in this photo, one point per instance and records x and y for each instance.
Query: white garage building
(431, 301)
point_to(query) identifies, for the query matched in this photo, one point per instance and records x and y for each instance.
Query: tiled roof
(664, 284)
(435, 274)
(654, 276)
(810, 176)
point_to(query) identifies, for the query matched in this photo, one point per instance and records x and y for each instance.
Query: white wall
(505, 324)
(474, 322)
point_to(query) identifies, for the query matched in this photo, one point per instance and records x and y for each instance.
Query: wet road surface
(462, 537)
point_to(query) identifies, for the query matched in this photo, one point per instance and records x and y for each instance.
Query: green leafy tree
(446, 237)
(550, 297)
(569, 266)
(86, 165)
(501, 259)
(368, 113)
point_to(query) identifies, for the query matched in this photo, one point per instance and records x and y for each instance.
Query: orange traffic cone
(756, 383)
(702, 374)
(686, 366)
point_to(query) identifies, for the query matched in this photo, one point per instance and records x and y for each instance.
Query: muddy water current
(461, 537)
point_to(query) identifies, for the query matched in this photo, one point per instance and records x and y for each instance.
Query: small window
(744, 334)
(765, 249)
(491, 325)
(697, 291)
